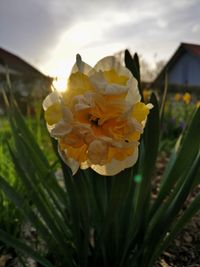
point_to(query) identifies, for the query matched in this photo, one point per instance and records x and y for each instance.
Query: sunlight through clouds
(85, 38)
(55, 31)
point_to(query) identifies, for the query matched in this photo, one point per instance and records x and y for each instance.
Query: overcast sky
(49, 33)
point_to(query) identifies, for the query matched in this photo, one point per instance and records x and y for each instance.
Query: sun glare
(60, 84)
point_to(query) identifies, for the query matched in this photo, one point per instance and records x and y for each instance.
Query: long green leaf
(181, 161)
(32, 159)
(18, 124)
(20, 246)
(176, 228)
(159, 229)
(147, 159)
(22, 204)
(46, 178)
(21, 130)
(132, 63)
(44, 211)
(107, 238)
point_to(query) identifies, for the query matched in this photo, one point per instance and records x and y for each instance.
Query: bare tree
(148, 72)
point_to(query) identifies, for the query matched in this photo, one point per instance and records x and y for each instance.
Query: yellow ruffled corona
(98, 120)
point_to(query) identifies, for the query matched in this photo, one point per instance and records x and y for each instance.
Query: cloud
(38, 30)
(26, 27)
(157, 28)
(196, 28)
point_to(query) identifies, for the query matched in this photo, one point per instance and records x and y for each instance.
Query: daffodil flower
(177, 97)
(98, 120)
(186, 98)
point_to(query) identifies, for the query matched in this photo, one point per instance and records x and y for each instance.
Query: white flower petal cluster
(98, 120)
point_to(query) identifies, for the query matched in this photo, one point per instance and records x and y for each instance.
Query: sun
(60, 84)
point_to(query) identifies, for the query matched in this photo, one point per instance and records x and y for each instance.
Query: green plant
(176, 115)
(95, 220)
(10, 218)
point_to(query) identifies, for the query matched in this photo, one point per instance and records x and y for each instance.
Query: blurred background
(48, 34)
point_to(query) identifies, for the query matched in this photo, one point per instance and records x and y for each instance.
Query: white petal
(83, 101)
(103, 87)
(133, 95)
(84, 165)
(60, 129)
(108, 63)
(116, 166)
(81, 67)
(81, 128)
(51, 99)
(150, 106)
(67, 115)
(71, 163)
(97, 152)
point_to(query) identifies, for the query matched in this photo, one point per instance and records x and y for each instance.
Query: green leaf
(159, 227)
(83, 196)
(147, 159)
(107, 239)
(151, 140)
(132, 63)
(45, 176)
(47, 212)
(179, 224)
(23, 205)
(20, 246)
(19, 126)
(137, 64)
(164, 97)
(181, 160)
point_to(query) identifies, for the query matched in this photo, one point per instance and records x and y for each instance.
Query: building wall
(186, 71)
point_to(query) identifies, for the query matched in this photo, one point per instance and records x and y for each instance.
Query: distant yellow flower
(186, 98)
(177, 97)
(98, 120)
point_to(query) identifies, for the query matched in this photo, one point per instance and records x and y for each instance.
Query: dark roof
(193, 48)
(183, 48)
(17, 64)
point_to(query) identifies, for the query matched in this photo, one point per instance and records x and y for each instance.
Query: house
(27, 83)
(26, 80)
(183, 70)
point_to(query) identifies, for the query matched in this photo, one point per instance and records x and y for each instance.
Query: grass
(10, 219)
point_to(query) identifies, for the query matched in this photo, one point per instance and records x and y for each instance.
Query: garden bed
(184, 251)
